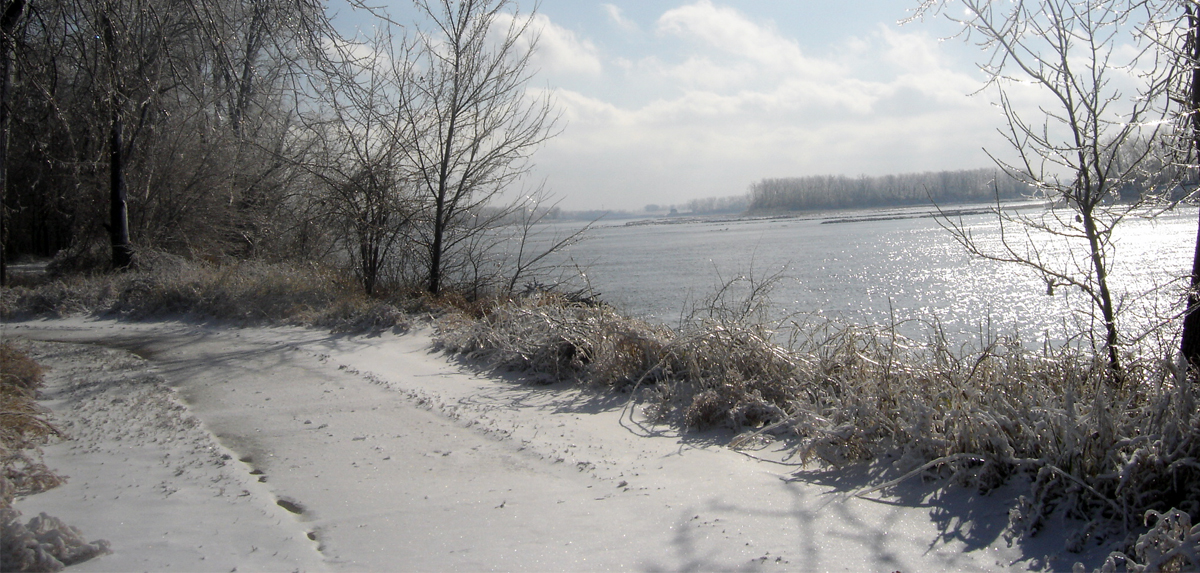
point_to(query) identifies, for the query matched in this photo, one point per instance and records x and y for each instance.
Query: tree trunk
(118, 226)
(445, 207)
(435, 253)
(1107, 310)
(5, 63)
(246, 79)
(1190, 342)
(118, 208)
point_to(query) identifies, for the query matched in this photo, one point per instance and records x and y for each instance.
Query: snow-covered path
(316, 451)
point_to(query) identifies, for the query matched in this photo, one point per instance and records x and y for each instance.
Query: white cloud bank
(559, 51)
(727, 100)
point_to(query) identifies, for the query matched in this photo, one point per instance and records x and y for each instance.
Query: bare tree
(174, 112)
(115, 71)
(357, 156)
(1069, 149)
(470, 125)
(134, 57)
(258, 58)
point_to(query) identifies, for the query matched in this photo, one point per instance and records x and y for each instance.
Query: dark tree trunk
(8, 24)
(118, 226)
(435, 253)
(118, 208)
(1190, 343)
(445, 207)
(1107, 311)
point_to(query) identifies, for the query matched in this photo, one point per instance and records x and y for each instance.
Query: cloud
(725, 100)
(559, 50)
(728, 31)
(918, 63)
(614, 14)
(911, 51)
(705, 73)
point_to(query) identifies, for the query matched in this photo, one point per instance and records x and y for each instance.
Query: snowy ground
(201, 448)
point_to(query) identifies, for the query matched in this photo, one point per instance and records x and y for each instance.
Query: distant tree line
(718, 205)
(842, 192)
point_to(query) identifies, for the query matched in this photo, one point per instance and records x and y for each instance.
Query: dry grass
(1094, 449)
(242, 293)
(23, 428)
(705, 376)
(1100, 451)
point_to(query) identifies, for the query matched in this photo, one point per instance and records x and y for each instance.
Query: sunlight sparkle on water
(870, 271)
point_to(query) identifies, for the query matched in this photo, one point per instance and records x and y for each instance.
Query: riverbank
(187, 438)
(1086, 461)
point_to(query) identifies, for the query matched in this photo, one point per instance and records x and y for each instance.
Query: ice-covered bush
(1099, 449)
(707, 375)
(550, 335)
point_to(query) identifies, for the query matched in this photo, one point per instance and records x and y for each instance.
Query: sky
(663, 101)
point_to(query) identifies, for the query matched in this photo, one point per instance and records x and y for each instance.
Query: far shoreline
(846, 215)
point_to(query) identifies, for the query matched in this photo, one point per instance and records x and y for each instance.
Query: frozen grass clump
(45, 543)
(1097, 449)
(709, 375)
(548, 334)
(1172, 545)
(719, 374)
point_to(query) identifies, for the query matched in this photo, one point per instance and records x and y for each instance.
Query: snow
(189, 440)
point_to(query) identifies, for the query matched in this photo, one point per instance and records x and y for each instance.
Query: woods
(232, 129)
(156, 124)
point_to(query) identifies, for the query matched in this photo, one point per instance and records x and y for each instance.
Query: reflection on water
(859, 272)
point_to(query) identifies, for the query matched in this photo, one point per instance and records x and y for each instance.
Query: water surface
(874, 270)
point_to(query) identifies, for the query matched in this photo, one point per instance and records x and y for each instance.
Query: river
(879, 267)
